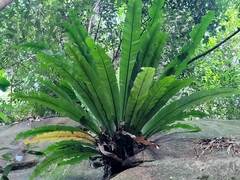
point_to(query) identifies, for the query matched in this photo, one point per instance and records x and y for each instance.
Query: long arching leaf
(130, 48)
(70, 75)
(155, 93)
(159, 97)
(66, 155)
(62, 145)
(46, 129)
(73, 112)
(155, 12)
(77, 34)
(152, 43)
(179, 64)
(137, 97)
(57, 90)
(107, 76)
(162, 91)
(169, 114)
(91, 79)
(61, 136)
(84, 82)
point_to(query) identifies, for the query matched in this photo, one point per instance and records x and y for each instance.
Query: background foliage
(38, 21)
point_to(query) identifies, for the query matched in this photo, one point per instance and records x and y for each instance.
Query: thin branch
(115, 56)
(98, 28)
(215, 47)
(95, 9)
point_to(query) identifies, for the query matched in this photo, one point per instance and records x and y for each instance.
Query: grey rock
(178, 156)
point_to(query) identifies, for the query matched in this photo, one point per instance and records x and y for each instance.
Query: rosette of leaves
(118, 110)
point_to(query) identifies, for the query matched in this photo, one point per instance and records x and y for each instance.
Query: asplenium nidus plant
(119, 110)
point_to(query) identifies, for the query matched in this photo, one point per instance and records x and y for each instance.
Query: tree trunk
(4, 3)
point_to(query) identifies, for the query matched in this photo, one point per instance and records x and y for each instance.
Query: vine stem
(215, 47)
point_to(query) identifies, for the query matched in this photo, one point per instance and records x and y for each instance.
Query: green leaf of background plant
(4, 117)
(6, 157)
(4, 83)
(33, 46)
(4, 148)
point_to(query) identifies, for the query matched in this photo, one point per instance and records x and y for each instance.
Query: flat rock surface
(179, 155)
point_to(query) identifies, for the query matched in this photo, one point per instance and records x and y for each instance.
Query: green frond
(107, 76)
(169, 114)
(58, 90)
(152, 43)
(155, 12)
(94, 86)
(64, 85)
(130, 48)
(193, 113)
(33, 46)
(46, 129)
(137, 97)
(63, 145)
(74, 112)
(158, 95)
(70, 75)
(84, 82)
(182, 126)
(179, 64)
(77, 35)
(72, 153)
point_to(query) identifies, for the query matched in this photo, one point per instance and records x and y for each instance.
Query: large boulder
(209, 154)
